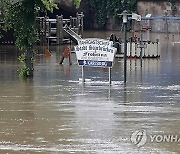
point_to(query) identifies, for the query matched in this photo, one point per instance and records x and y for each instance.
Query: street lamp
(125, 17)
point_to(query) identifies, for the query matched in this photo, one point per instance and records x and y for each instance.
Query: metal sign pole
(83, 79)
(110, 75)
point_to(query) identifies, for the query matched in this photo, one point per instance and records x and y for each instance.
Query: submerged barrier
(149, 50)
(136, 48)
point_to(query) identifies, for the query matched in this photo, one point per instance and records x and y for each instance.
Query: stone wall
(160, 25)
(159, 8)
(156, 7)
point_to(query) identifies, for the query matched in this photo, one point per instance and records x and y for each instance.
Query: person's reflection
(66, 69)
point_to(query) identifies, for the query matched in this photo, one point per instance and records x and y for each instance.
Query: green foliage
(22, 58)
(21, 17)
(173, 6)
(24, 72)
(46, 5)
(100, 9)
(103, 8)
(77, 3)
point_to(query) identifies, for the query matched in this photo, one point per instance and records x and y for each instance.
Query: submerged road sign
(94, 52)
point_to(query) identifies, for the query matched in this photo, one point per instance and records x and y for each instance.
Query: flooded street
(55, 113)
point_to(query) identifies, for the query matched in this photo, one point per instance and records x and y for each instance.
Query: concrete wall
(160, 25)
(156, 7)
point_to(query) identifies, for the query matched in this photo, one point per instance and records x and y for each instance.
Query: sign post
(110, 75)
(95, 52)
(83, 78)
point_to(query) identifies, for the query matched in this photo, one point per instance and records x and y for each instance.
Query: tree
(173, 6)
(77, 3)
(102, 8)
(20, 15)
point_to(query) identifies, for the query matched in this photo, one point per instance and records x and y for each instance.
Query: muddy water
(54, 113)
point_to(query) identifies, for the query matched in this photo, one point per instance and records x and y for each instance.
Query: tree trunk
(29, 62)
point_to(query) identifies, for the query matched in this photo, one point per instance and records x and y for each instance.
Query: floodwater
(55, 113)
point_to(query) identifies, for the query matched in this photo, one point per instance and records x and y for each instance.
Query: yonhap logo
(139, 138)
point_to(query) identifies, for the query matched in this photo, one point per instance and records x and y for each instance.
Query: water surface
(55, 113)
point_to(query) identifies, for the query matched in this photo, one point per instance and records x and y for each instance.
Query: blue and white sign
(93, 63)
(94, 52)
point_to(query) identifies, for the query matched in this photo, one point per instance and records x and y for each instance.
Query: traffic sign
(94, 52)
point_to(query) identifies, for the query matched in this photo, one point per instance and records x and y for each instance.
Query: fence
(7, 37)
(149, 50)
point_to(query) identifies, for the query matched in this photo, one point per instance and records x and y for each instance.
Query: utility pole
(125, 15)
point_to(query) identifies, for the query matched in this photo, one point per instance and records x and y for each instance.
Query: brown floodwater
(54, 113)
